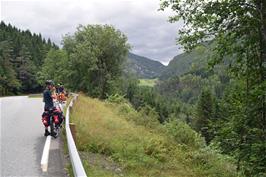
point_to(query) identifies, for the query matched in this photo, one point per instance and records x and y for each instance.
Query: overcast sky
(148, 31)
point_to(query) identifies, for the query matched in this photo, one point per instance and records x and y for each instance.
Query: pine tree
(26, 70)
(205, 114)
(8, 82)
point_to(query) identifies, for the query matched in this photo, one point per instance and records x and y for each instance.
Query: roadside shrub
(184, 134)
(157, 148)
(148, 117)
(210, 161)
(125, 109)
(116, 98)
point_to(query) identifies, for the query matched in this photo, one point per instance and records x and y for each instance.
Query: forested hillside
(183, 63)
(188, 73)
(143, 67)
(22, 54)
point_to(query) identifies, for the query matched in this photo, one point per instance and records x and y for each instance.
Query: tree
(55, 67)
(26, 70)
(238, 29)
(8, 81)
(205, 111)
(231, 132)
(96, 54)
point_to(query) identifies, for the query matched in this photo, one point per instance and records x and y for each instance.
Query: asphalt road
(22, 139)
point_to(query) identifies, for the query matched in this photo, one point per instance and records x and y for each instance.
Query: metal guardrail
(73, 153)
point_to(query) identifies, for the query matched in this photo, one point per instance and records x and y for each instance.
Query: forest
(22, 54)
(217, 87)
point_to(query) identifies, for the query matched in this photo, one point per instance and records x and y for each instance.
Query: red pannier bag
(58, 116)
(45, 119)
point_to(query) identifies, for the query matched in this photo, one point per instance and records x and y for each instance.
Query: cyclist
(48, 100)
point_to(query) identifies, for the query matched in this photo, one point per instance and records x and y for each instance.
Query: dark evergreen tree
(205, 113)
(26, 71)
(8, 79)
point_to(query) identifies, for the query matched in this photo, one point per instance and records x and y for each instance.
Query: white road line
(45, 154)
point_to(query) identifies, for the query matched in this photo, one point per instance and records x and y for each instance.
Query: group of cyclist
(52, 94)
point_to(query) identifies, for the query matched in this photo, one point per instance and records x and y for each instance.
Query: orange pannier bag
(62, 97)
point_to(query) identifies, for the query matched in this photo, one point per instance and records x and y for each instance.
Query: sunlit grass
(148, 82)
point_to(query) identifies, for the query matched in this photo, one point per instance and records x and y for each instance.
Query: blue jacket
(47, 99)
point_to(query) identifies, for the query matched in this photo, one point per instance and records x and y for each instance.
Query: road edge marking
(45, 154)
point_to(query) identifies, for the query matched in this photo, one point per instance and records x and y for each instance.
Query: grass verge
(138, 146)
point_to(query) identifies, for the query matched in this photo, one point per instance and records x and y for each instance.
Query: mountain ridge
(184, 62)
(143, 67)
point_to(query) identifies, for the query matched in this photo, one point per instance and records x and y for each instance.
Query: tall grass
(140, 145)
(148, 82)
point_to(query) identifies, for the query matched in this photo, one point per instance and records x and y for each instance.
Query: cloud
(147, 28)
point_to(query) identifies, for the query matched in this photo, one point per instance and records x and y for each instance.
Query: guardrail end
(44, 167)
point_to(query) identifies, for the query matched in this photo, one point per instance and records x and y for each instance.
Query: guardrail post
(73, 131)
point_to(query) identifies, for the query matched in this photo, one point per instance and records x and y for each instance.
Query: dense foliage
(91, 60)
(239, 30)
(21, 56)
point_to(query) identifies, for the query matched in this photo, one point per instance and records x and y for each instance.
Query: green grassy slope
(115, 140)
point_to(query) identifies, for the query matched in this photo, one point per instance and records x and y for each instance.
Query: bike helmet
(49, 82)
